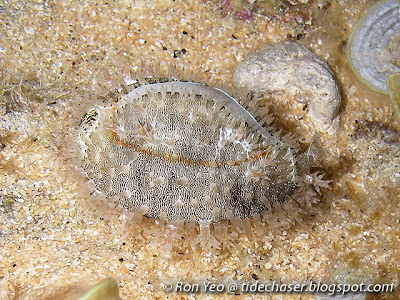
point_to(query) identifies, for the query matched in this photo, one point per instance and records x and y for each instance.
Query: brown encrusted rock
(291, 68)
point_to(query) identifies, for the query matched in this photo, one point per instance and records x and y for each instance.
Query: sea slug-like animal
(185, 152)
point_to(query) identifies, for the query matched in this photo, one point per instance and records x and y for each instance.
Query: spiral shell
(373, 49)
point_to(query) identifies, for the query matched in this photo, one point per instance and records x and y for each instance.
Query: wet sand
(55, 55)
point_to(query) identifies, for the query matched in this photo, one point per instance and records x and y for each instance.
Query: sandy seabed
(54, 55)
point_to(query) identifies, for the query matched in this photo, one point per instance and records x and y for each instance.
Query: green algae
(106, 289)
(393, 85)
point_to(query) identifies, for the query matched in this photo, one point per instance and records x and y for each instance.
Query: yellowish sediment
(54, 55)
